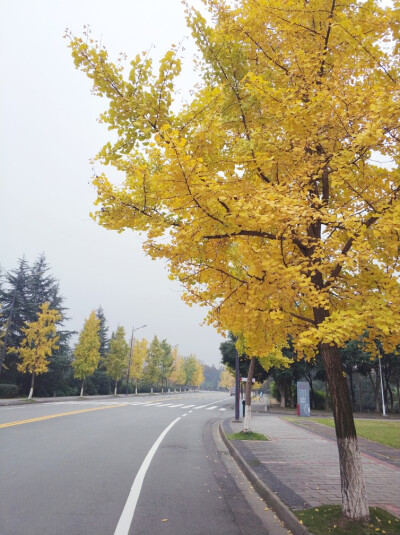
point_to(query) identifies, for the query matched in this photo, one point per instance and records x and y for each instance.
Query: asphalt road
(132, 466)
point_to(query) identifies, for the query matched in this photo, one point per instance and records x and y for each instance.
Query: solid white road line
(125, 520)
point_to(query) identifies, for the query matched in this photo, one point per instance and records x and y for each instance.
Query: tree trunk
(327, 394)
(249, 383)
(115, 388)
(32, 386)
(82, 385)
(350, 374)
(359, 391)
(354, 500)
(282, 391)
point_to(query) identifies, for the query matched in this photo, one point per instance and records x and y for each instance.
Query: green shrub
(8, 391)
(319, 400)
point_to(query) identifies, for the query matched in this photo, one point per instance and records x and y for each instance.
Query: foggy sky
(49, 132)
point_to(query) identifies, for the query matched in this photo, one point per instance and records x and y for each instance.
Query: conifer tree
(166, 362)
(23, 291)
(103, 332)
(152, 373)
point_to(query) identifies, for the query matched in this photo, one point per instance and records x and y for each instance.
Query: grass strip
(384, 432)
(328, 520)
(246, 436)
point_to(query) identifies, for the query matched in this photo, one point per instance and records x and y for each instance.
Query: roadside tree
(178, 375)
(38, 344)
(138, 359)
(227, 379)
(166, 363)
(116, 360)
(265, 193)
(152, 373)
(86, 353)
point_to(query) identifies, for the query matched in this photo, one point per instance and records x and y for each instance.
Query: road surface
(133, 465)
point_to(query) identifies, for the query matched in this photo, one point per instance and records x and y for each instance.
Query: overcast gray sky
(48, 133)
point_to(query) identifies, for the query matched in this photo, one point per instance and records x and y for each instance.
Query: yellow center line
(40, 418)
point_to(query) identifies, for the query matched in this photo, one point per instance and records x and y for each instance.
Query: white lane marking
(177, 405)
(199, 407)
(166, 405)
(222, 409)
(187, 406)
(126, 518)
(210, 408)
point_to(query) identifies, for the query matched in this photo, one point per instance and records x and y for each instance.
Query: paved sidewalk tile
(303, 468)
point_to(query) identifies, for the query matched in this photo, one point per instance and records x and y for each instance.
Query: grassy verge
(328, 520)
(246, 436)
(384, 432)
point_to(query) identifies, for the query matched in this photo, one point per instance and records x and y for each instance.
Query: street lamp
(130, 356)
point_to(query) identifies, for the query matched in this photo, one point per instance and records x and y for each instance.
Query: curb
(284, 513)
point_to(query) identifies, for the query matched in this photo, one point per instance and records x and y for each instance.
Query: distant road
(145, 465)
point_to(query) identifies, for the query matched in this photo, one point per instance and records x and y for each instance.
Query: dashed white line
(210, 408)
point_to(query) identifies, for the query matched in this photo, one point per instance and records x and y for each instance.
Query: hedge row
(8, 391)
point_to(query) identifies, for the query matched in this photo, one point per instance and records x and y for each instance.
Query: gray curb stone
(284, 513)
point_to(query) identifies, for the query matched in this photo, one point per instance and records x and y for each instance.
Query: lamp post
(130, 356)
(237, 385)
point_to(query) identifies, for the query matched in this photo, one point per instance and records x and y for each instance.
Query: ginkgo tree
(39, 342)
(117, 358)
(274, 193)
(87, 350)
(138, 358)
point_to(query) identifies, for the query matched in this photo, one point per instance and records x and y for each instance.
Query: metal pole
(130, 357)
(383, 397)
(129, 363)
(237, 389)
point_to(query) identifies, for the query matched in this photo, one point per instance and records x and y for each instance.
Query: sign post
(303, 399)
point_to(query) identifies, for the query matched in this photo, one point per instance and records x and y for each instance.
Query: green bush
(8, 391)
(319, 400)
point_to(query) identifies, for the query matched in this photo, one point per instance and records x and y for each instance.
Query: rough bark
(354, 500)
(249, 382)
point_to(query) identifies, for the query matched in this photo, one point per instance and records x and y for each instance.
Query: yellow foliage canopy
(39, 342)
(274, 193)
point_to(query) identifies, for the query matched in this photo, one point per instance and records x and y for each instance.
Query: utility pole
(237, 383)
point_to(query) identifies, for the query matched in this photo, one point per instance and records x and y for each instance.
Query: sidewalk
(301, 466)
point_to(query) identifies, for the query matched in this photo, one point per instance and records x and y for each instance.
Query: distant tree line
(362, 370)
(37, 355)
